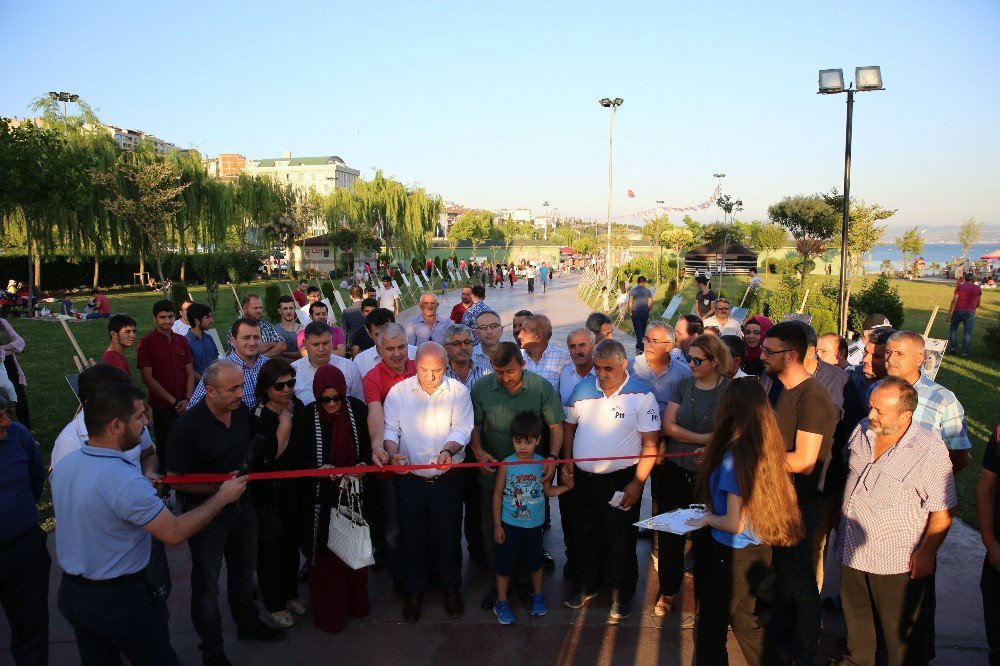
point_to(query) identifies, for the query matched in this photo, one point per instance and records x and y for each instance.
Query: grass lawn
(48, 356)
(975, 380)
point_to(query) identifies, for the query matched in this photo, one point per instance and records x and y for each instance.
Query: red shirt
(381, 378)
(299, 297)
(169, 360)
(118, 360)
(458, 311)
(968, 297)
(103, 304)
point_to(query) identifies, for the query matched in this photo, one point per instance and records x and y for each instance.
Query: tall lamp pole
(63, 97)
(611, 104)
(831, 81)
(725, 240)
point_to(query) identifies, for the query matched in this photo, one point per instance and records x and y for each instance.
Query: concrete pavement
(562, 637)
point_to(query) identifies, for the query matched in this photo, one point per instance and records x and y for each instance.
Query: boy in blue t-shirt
(518, 514)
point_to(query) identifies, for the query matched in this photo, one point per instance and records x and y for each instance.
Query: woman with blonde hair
(744, 478)
(688, 423)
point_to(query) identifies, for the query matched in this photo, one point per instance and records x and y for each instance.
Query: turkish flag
(631, 194)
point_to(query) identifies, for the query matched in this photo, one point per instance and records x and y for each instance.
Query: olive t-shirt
(808, 408)
(705, 301)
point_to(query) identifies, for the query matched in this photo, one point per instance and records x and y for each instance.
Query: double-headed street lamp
(63, 97)
(611, 104)
(831, 81)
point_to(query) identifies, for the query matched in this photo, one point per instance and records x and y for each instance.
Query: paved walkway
(562, 637)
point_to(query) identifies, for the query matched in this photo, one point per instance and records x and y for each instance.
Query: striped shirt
(476, 372)
(939, 411)
(550, 365)
(418, 332)
(887, 501)
(250, 373)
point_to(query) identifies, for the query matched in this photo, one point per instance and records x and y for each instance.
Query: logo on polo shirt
(619, 414)
(653, 414)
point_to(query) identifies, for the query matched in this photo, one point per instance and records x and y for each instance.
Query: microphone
(256, 446)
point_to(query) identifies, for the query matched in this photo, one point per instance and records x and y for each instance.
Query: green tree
(473, 226)
(563, 235)
(810, 220)
(729, 206)
(767, 238)
(909, 243)
(864, 233)
(697, 231)
(510, 230)
(586, 244)
(653, 232)
(969, 235)
(678, 239)
(724, 234)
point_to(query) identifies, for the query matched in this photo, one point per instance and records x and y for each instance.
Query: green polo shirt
(495, 409)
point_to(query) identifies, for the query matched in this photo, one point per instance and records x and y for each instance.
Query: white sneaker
(282, 619)
(297, 607)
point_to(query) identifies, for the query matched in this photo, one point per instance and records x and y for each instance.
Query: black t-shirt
(705, 302)
(991, 462)
(808, 408)
(361, 338)
(201, 444)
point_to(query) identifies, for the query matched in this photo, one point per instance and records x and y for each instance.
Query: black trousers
(797, 613)
(989, 585)
(163, 423)
(674, 488)
(886, 608)
(605, 533)
(24, 595)
(729, 598)
(430, 520)
(21, 408)
(531, 285)
(231, 535)
(277, 555)
(472, 519)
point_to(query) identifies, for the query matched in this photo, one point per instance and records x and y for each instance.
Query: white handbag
(350, 539)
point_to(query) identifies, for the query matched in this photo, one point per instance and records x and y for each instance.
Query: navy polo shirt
(102, 502)
(22, 476)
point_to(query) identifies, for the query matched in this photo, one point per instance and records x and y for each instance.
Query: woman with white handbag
(332, 432)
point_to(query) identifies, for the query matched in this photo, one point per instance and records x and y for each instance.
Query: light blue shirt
(721, 483)
(663, 384)
(102, 502)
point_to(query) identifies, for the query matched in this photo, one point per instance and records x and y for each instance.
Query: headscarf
(343, 448)
(753, 353)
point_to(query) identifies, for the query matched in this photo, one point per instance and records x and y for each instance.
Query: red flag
(631, 194)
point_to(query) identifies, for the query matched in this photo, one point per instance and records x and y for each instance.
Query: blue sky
(496, 104)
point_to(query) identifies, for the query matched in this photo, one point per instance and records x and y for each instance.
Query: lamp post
(545, 205)
(610, 104)
(725, 240)
(63, 97)
(831, 82)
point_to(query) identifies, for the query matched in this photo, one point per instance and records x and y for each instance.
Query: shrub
(271, 294)
(878, 297)
(178, 294)
(992, 337)
(211, 267)
(243, 266)
(327, 288)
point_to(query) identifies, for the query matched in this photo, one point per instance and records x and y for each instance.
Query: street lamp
(612, 105)
(545, 205)
(63, 97)
(725, 240)
(831, 82)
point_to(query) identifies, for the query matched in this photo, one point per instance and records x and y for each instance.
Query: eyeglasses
(488, 327)
(718, 309)
(764, 351)
(460, 343)
(327, 399)
(280, 386)
(696, 362)
(650, 341)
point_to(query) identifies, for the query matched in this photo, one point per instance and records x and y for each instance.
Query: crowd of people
(769, 426)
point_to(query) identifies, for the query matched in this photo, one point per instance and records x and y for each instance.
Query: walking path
(562, 637)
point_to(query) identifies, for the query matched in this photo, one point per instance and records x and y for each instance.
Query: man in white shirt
(616, 415)
(737, 350)
(428, 420)
(539, 356)
(721, 319)
(181, 325)
(318, 344)
(388, 296)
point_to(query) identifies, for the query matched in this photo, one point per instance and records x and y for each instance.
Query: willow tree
(257, 202)
(209, 206)
(422, 213)
(381, 204)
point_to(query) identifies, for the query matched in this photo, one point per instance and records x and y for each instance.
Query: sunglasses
(327, 399)
(696, 362)
(280, 386)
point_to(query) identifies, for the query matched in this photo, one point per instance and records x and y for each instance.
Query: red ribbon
(180, 479)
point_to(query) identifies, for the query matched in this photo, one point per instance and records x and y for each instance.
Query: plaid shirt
(249, 381)
(469, 318)
(477, 372)
(887, 501)
(268, 333)
(550, 365)
(939, 411)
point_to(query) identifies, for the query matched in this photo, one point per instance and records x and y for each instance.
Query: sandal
(664, 605)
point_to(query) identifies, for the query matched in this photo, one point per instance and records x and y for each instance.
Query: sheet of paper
(672, 306)
(672, 521)
(340, 300)
(214, 334)
(406, 280)
(738, 314)
(616, 499)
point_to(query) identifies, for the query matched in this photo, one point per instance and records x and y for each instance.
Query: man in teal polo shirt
(496, 400)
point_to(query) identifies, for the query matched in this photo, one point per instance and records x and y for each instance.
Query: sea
(939, 252)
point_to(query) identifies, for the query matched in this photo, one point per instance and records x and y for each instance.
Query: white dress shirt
(305, 372)
(421, 423)
(369, 358)
(75, 435)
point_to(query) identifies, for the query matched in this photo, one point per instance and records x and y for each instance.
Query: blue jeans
(798, 612)
(108, 622)
(967, 319)
(639, 322)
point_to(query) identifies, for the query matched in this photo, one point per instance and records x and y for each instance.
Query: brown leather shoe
(453, 604)
(411, 608)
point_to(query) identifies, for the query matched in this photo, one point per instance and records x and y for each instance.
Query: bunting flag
(631, 194)
(648, 214)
